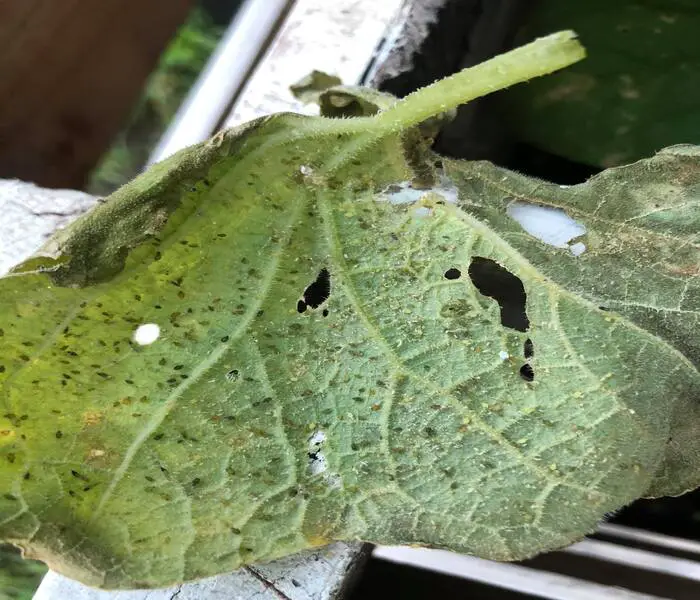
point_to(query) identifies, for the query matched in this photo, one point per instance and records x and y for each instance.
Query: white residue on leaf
(306, 170)
(549, 225)
(578, 248)
(317, 459)
(404, 193)
(401, 193)
(447, 190)
(503, 355)
(146, 334)
(318, 463)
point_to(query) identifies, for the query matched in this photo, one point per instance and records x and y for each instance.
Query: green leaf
(636, 92)
(19, 578)
(641, 262)
(332, 359)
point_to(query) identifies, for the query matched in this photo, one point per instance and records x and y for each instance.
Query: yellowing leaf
(277, 339)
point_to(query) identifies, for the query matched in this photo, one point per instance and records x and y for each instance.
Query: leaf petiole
(540, 57)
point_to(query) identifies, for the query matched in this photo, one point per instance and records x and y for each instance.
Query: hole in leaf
(497, 282)
(317, 292)
(527, 372)
(528, 348)
(453, 273)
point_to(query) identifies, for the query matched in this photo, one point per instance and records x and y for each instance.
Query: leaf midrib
(341, 270)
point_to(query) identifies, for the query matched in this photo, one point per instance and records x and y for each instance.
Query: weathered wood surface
(30, 214)
(320, 575)
(70, 73)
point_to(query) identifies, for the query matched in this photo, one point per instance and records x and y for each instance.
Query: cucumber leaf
(312, 329)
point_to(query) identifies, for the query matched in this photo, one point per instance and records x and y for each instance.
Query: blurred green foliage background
(167, 87)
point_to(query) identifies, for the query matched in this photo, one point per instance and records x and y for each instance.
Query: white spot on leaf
(318, 463)
(404, 193)
(401, 193)
(447, 190)
(317, 459)
(549, 225)
(503, 355)
(578, 248)
(146, 334)
(317, 438)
